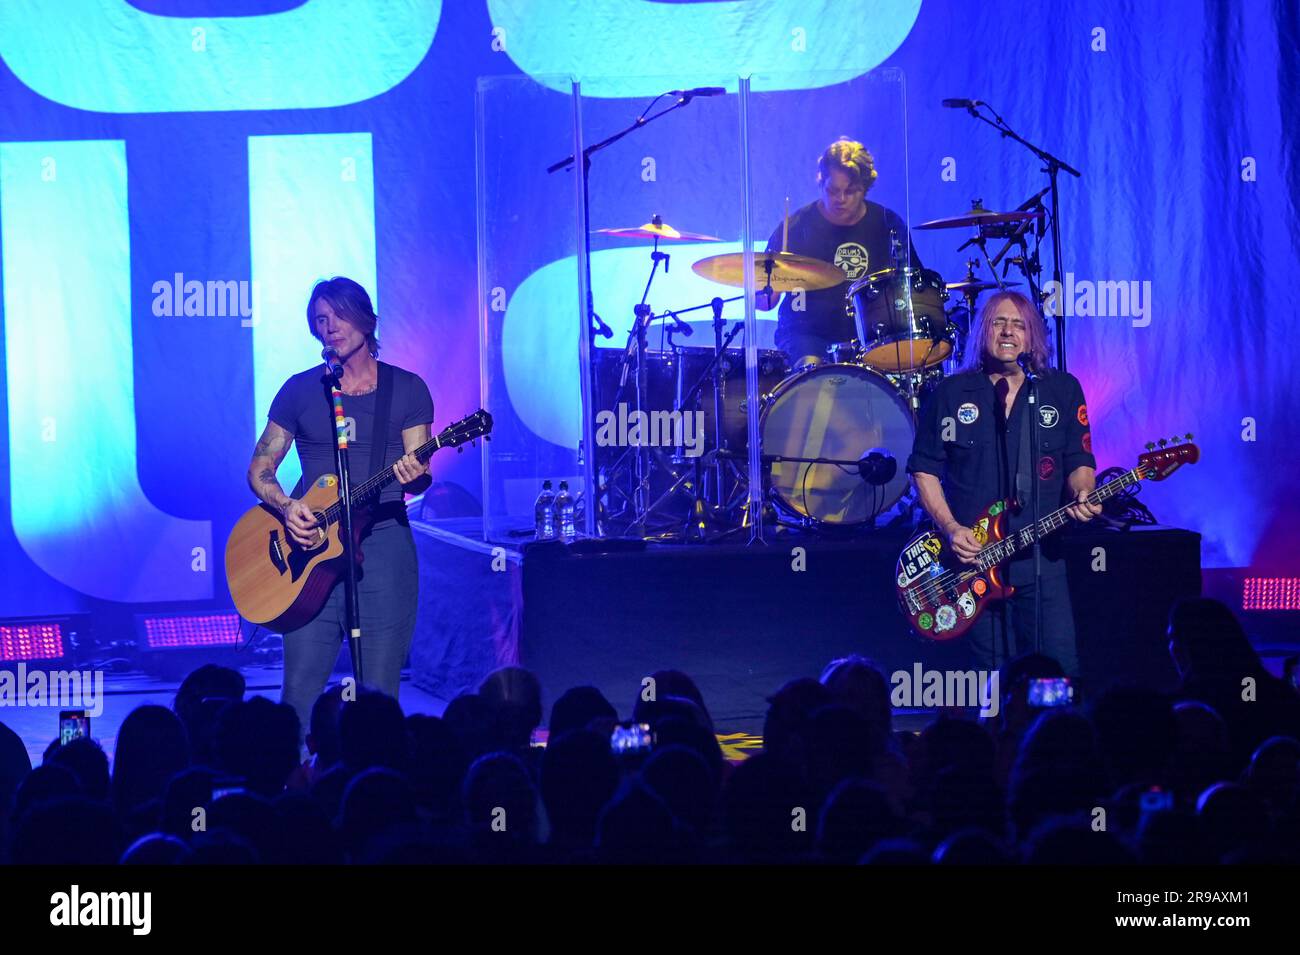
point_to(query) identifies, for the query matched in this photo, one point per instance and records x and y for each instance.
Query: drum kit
(833, 434)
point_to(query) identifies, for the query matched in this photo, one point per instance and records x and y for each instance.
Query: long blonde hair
(1035, 332)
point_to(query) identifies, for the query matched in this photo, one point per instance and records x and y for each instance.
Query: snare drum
(900, 319)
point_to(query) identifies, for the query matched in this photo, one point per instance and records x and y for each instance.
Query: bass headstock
(1162, 458)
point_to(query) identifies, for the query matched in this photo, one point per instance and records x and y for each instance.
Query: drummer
(840, 227)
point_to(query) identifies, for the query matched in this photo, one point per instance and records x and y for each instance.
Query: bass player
(968, 452)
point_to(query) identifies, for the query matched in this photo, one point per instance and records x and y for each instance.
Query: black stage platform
(742, 621)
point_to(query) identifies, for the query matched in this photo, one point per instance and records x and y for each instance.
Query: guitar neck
(1010, 546)
(377, 482)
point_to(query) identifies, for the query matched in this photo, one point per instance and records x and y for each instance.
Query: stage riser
(742, 621)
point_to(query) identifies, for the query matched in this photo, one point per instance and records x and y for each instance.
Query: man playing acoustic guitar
(340, 315)
(968, 452)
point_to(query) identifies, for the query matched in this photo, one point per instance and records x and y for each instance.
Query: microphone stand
(1031, 382)
(351, 605)
(1052, 168)
(595, 326)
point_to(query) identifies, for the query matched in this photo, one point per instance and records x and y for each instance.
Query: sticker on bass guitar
(979, 586)
(995, 508)
(981, 531)
(925, 621)
(945, 618)
(966, 604)
(327, 480)
(917, 560)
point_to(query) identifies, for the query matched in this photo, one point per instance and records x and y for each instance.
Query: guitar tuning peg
(1189, 436)
(1162, 442)
(1150, 446)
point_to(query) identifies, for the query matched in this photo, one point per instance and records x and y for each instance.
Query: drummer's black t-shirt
(858, 250)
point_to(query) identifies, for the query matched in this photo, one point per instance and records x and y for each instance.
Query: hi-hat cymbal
(657, 230)
(977, 286)
(978, 216)
(789, 271)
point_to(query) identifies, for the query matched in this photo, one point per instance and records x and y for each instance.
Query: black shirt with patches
(961, 440)
(858, 250)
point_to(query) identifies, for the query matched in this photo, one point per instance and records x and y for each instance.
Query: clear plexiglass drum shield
(530, 314)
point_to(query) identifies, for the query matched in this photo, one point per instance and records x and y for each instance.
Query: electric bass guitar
(281, 585)
(941, 596)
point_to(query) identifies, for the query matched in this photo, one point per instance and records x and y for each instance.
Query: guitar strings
(932, 589)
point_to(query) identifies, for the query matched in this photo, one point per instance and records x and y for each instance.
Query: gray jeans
(388, 592)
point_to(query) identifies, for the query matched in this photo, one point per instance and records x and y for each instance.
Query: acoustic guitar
(281, 585)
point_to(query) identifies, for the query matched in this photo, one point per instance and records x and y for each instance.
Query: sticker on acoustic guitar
(327, 480)
(945, 618)
(968, 413)
(966, 604)
(925, 621)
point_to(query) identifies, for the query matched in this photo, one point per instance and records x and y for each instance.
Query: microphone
(682, 326)
(877, 466)
(331, 359)
(700, 91)
(963, 103)
(1023, 360)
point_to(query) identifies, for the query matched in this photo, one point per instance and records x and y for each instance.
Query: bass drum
(837, 412)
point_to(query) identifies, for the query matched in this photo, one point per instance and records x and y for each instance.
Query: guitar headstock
(466, 429)
(1162, 458)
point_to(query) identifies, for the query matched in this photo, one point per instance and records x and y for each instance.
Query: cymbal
(657, 230)
(789, 271)
(977, 286)
(978, 216)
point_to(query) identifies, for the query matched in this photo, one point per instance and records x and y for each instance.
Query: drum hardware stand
(637, 346)
(702, 510)
(1052, 166)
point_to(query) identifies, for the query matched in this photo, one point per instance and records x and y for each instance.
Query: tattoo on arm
(271, 447)
(274, 443)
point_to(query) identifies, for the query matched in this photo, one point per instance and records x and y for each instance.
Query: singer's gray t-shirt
(303, 408)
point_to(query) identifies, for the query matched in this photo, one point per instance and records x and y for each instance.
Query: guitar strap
(383, 407)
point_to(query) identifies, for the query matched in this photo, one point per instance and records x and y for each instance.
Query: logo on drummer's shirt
(851, 259)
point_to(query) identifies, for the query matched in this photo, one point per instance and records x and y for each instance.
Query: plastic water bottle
(544, 513)
(565, 514)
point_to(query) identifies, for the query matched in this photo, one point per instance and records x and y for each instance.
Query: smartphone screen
(73, 724)
(1051, 692)
(631, 738)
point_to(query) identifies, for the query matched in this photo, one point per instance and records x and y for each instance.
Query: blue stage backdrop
(174, 176)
